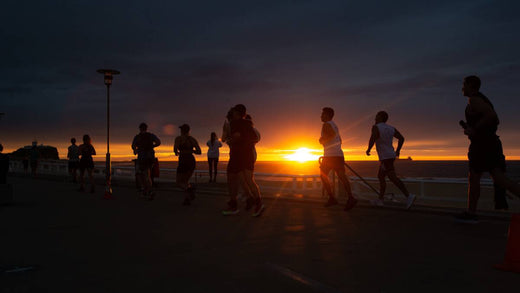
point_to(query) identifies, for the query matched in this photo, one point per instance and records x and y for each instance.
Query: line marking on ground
(316, 285)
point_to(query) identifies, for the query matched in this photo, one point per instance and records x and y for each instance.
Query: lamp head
(108, 75)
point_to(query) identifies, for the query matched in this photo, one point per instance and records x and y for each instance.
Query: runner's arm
(156, 141)
(372, 140)
(134, 146)
(489, 116)
(176, 146)
(400, 142)
(327, 133)
(197, 151)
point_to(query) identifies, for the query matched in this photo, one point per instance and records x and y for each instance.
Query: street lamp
(108, 74)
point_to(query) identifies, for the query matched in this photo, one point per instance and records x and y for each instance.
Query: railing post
(294, 184)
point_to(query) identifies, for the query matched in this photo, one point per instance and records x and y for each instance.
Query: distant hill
(46, 152)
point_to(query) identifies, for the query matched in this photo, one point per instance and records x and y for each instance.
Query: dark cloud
(188, 62)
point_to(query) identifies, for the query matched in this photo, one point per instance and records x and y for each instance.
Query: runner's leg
(473, 190)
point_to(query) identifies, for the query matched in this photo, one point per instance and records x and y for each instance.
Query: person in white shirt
(382, 136)
(333, 159)
(213, 154)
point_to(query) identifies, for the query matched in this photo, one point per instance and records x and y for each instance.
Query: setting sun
(302, 155)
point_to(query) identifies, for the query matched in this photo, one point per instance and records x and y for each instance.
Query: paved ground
(81, 243)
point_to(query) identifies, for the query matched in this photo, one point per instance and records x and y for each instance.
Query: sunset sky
(190, 61)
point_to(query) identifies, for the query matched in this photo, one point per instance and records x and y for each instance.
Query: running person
(242, 139)
(73, 156)
(485, 150)
(143, 146)
(185, 146)
(333, 159)
(86, 163)
(213, 154)
(383, 135)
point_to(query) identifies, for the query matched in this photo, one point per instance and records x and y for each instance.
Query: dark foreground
(77, 242)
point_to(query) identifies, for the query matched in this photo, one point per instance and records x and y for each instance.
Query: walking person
(73, 156)
(241, 163)
(333, 159)
(213, 154)
(485, 150)
(185, 146)
(86, 163)
(383, 135)
(34, 156)
(143, 146)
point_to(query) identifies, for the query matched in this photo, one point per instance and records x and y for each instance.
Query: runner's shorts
(332, 163)
(486, 155)
(386, 166)
(186, 164)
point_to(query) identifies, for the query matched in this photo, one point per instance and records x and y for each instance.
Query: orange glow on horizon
(303, 155)
(295, 154)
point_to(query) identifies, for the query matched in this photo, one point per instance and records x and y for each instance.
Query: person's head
(86, 139)
(229, 115)
(213, 136)
(327, 114)
(381, 116)
(185, 129)
(471, 85)
(239, 111)
(143, 127)
(73, 140)
(1, 148)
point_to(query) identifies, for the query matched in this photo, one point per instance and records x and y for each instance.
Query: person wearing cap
(143, 146)
(185, 146)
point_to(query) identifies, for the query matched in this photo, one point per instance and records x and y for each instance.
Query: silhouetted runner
(383, 135)
(143, 146)
(333, 159)
(485, 151)
(34, 156)
(213, 155)
(241, 140)
(73, 156)
(86, 163)
(185, 146)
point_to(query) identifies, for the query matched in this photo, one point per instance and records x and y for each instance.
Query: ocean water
(404, 168)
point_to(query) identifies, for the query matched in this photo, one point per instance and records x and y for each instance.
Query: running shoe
(186, 202)
(81, 189)
(331, 202)
(259, 209)
(377, 202)
(232, 208)
(92, 189)
(466, 218)
(410, 200)
(351, 203)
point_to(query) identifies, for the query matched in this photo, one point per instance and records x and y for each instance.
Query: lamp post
(108, 75)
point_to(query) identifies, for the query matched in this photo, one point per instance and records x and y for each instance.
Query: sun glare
(302, 155)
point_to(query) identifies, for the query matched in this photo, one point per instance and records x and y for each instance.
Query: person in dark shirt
(242, 139)
(34, 156)
(185, 146)
(4, 166)
(86, 163)
(143, 146)
(485, 151)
